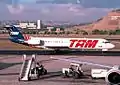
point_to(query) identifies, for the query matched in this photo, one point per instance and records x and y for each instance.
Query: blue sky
(75, 11)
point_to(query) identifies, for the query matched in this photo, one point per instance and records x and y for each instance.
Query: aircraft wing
(83, 62)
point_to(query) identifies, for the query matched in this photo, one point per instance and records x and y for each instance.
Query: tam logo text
(14, 33)
(74, 43)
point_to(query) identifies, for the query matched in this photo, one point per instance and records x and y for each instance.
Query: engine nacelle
(113, 76)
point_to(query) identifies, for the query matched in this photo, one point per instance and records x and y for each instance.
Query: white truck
(98, 73)
(74, 71)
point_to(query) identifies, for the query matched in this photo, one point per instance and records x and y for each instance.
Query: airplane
(56, 43)
(112, 76)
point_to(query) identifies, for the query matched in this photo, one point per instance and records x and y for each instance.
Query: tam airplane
(58, 43)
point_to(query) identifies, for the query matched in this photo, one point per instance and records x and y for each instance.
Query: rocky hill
(109, 22)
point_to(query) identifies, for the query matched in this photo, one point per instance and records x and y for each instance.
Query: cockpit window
(106, 42)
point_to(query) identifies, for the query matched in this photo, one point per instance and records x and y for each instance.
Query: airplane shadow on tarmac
(51, 75)
(7, 65)
(55, 77)
(6, 74)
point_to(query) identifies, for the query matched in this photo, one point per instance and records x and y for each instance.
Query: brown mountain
(109, 22)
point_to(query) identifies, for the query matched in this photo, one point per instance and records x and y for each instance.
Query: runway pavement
(61, 52)
(10, 66)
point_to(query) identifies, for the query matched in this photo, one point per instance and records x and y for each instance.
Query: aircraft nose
(112, 45)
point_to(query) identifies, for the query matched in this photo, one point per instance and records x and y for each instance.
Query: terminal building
(30, 25)
(39, 24)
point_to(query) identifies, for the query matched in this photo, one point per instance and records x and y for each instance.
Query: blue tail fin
(15, 34)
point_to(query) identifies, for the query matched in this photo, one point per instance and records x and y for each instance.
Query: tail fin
(14, 32)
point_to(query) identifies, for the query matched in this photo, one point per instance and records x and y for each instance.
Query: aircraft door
(41, 43)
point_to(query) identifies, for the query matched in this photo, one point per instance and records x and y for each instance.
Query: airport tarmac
(10, 66)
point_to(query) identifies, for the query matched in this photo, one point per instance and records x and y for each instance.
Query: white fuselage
(72, 43)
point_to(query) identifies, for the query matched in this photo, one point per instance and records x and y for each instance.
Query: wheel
(57, 51)
(93, 78)
(81, 73)
(44, 71)
(29, 79)
(66, 74)
(38, 76)
(76, 75)
(19, 79)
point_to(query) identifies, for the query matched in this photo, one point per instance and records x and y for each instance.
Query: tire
(76, 75)
(19, 79)
(44, 71)
(38, 76)
(29, 79)
(66, 74)
(93, 78)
